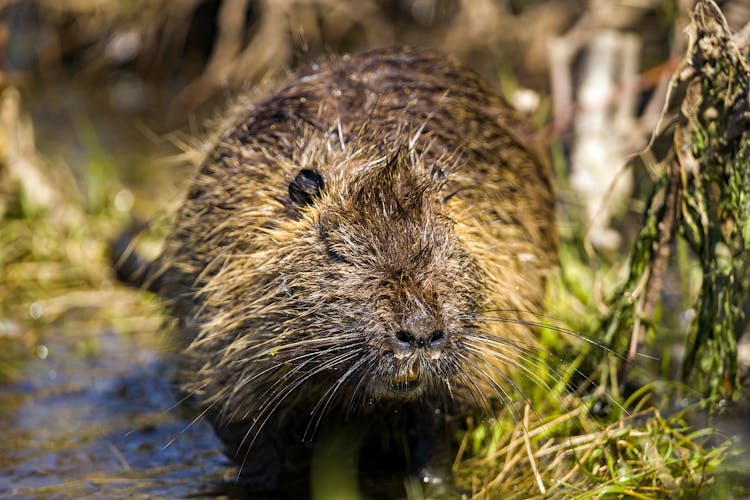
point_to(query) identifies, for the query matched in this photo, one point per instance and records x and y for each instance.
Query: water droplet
(124, 200)
(42, 351)
(36, 310)
(124, 46)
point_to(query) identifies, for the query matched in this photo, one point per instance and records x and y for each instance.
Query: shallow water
(104, 426)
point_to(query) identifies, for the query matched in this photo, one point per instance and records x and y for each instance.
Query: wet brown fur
(436, 211)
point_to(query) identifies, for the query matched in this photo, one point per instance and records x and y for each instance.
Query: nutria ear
(306, 186)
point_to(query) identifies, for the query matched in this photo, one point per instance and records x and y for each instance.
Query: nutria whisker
(364, 379)
(269, 405)
(202, 414)
(478, 393)
(492, 372)
(265, 396)
(328, 396)
(534, 353)
(540, 324)
(530, 353)
(493, 355)
(286, 389)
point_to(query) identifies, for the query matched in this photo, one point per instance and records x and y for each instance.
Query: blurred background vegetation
(107, 106)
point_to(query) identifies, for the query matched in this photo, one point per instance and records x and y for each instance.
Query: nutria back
(348, 240)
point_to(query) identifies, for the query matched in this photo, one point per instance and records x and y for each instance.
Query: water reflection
(103, 426)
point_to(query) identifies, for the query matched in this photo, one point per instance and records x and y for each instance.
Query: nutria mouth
(408, 382)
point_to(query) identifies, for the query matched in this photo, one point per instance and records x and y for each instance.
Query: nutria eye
(306, 186)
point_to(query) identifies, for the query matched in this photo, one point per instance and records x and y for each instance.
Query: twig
(530, 453)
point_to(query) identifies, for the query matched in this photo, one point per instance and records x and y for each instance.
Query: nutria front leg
(432, 456)
(259, 456)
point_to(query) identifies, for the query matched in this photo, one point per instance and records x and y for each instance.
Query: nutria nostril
(408, 340)
(437, 339)
(405, 339)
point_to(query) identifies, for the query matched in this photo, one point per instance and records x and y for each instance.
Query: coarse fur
(346, 242)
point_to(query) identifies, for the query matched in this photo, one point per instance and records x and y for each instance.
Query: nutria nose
(407, 339)
(420, 329)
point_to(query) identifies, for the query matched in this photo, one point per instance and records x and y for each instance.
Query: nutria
(343, 247)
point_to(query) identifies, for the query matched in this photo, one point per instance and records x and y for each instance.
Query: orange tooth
(410, 376)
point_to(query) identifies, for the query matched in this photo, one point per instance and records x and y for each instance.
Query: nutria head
(397, 277)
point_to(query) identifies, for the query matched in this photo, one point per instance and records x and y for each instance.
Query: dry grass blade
(642, 456)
